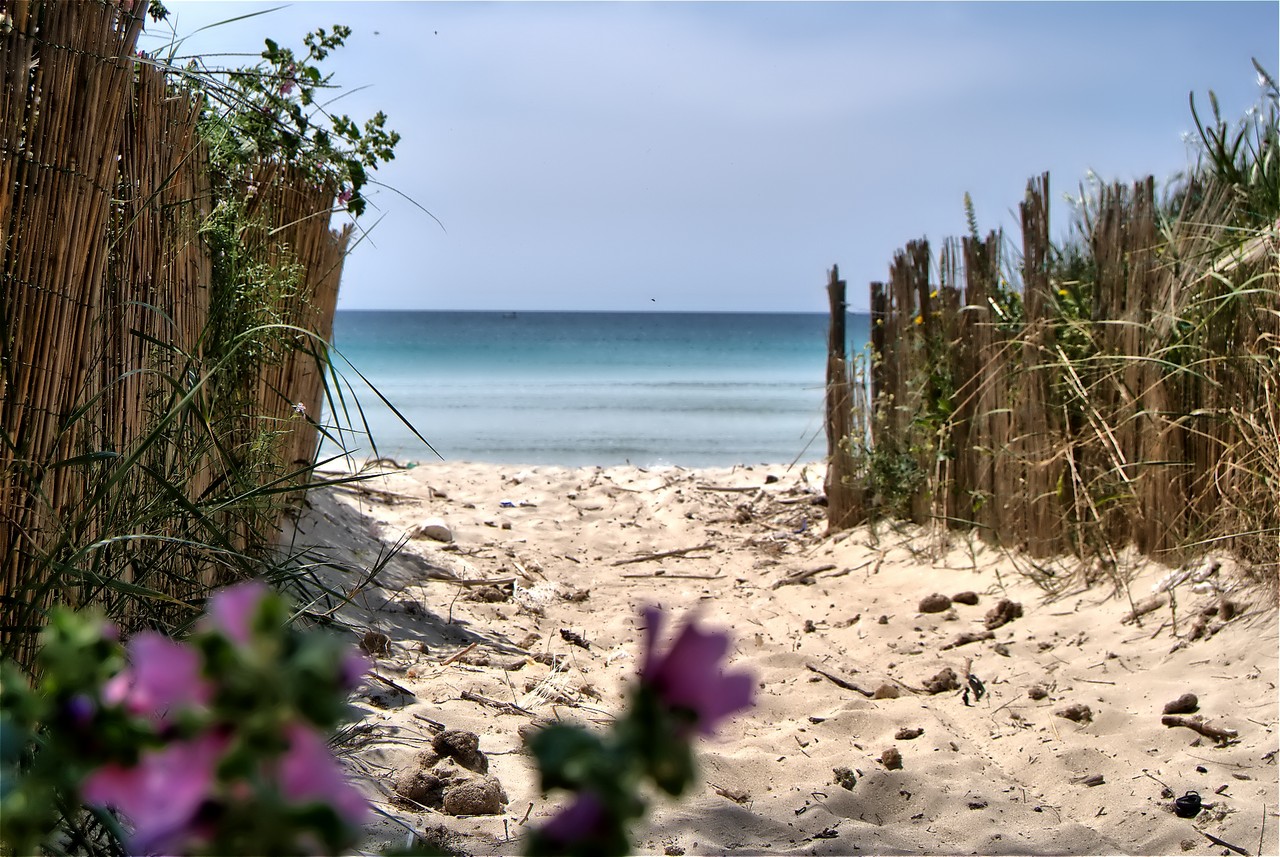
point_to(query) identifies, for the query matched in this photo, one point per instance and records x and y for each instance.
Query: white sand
(1002, 776)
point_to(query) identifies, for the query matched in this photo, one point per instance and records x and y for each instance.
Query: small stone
(886, 691)
(1003, 613)
(673, 851)
(935, 603)
(906, 734)
(891, 759)
(845, 778)
(965, 597)
(1037, 692)
(883, 620)
(1227, 610)
(434, 529)
(1185, 704)
(1077, 713)
(478, 796)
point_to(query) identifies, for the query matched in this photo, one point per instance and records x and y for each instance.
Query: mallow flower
(231, 610)
(308, 773)
(585, 821)
(161, 795)
(689, 675)
(163, 675)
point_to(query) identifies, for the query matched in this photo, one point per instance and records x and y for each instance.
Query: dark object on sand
(1003, 613)
(891, 759)
(1078, 713)
(935, 603)
(974, 684)
(571, 637)
(966, 597)
(1185, 704)
(943, 681)
(906, 734)
(1037, 692)
(1187, 806)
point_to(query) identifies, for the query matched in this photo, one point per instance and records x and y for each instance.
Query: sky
(722, 156)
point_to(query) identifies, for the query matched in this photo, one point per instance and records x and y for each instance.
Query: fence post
(844, 499)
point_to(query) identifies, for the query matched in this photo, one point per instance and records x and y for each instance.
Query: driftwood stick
(664, 554)
(803, 576)
(661, 573)
(969, 637)
(1236, 848)
(508, 707)
(481, 581)
(839, 682)
(1198, 724)
(458, 654)
(1147, 605)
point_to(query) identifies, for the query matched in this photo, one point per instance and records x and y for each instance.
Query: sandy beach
(527, 609)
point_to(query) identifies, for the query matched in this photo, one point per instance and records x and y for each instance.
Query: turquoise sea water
(585, 388)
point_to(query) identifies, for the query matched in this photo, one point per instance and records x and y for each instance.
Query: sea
(585, 388)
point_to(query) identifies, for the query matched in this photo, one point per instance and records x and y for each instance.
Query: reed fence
(1147, 414)
(106, 393)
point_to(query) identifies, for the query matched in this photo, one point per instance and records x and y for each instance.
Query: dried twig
(664, 554)
(839, 682)
(509, 707)
(1236, 848)
(1198, 724)
(803, 576)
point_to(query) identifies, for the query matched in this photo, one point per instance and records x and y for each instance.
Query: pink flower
(161, 794)
(352, 668)
(309, 773)
(162, 675)
(231, 610)
(689, 676)
(345, 196)
(584, 820)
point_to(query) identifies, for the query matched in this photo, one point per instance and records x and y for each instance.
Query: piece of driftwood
(461, 652)
(969, 637)
(1198, 724)
(661, 573)
(481, 581)
(664, 554)
(803, 576)
(1236, 848)
(1143, 607)
(839, 682)
(509, 707)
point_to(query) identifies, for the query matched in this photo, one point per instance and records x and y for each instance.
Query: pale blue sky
(721, 156)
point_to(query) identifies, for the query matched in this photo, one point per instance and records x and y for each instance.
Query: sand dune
(827, 625)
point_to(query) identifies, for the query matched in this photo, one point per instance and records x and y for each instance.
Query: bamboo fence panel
(1162, 432)
(106, 304)
(66, 68)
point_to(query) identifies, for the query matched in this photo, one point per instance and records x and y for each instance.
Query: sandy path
(1002, 775)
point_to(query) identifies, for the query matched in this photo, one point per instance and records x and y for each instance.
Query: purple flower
(351, 669)
(345, 196)
(308, 772)
(231, 610)
(161, 794)
(584, 820)
(162, 675)
(689, 675)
